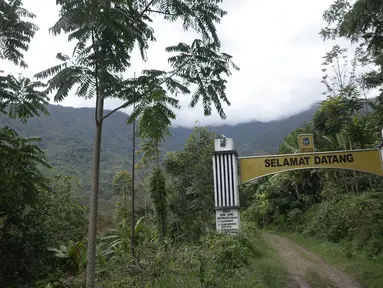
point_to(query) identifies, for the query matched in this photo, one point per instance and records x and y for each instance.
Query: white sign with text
(227, 220)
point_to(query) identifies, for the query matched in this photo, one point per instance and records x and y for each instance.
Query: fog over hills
(67, 137)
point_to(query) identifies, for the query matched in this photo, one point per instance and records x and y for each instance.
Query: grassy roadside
(368, 272)
(264, 270)
(268, 269)
(227, 261)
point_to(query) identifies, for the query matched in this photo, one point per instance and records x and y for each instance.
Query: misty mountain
(67, 138)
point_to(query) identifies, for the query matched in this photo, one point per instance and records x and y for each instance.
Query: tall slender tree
(105, 33)
(153, 127)
(340, 114)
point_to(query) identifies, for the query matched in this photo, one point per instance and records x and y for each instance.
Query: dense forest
(66, 141)
(158, 227)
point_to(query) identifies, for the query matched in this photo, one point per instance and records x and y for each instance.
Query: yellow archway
(367, 160)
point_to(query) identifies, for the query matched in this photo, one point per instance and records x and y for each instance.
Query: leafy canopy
(15, 32)
(19, 171)
(106, 32)
(361, 22)
(21, 98)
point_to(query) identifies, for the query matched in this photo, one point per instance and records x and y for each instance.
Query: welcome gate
(228, 168)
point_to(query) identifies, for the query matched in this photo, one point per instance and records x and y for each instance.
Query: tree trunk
(133, 187)
(369, 180)
(145, 204)
(346, 188)
(352, 182)
(297, 192)
(356, 183)
(344, 178)
(297, 187)
(92, 228)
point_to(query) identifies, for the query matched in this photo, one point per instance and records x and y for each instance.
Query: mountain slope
(67, 137)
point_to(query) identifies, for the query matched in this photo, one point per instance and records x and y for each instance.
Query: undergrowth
(218, 260)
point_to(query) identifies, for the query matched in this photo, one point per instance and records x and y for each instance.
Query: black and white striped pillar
(226, 197)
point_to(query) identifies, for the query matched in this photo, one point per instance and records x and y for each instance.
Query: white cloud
(275, 43)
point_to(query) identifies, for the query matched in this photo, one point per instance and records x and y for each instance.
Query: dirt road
(306, 269)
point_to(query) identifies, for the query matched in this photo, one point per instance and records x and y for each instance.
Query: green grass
(316, 280)
(368, 272)
(264, 271)
(268, 270)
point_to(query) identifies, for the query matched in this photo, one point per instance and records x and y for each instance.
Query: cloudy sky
(275, 43)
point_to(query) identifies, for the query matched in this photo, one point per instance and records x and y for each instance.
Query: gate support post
(226, 196)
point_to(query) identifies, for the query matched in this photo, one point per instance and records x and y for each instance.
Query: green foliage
(360, 22)
(53, 219)
(191, 181)
(206, 74)
(122, 183)
(35, 212)
(375, 119)
(356, 219)
(118, 240)
(65, 215)
(21, 180)
(122, 188)
(19, 99)
(154, 122)
(290, 142)
(67, 144)
(73, 256)
(331, 117)
(15, 32)
(94, 65)
(105, 34)
(283, 196)
(217, 261)
(232, 257)
(158, 194)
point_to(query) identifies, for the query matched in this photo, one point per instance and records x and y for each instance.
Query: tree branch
(142, 12)
(160, 12)
(126, 104)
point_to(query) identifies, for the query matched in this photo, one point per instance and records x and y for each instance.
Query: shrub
(357, 219)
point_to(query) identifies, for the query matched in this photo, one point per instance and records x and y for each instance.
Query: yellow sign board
(306, 143)
(369, 161)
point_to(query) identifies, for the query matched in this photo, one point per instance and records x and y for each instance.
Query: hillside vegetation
(67, 141)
